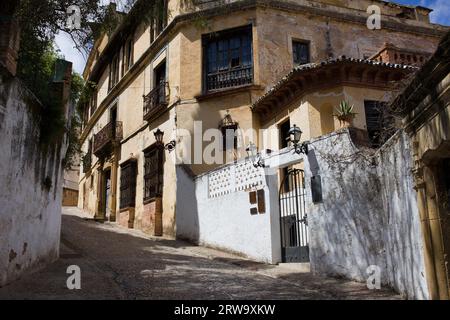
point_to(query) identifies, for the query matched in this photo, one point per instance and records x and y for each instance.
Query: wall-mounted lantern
(159, 140)
(159, 136)
(252, 152)
(295, 135)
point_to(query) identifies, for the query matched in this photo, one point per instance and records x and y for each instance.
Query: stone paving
(118, 263)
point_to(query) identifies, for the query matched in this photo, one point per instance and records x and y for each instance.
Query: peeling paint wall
(30, 188)
(369, 213)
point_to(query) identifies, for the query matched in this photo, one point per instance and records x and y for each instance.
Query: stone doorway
(106, 196)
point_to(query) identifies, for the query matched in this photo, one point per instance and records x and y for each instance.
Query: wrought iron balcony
(155, 102)
(87, 162)
(230, 78)
(107, 137)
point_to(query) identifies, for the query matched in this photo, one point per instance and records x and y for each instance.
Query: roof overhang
(332, 73)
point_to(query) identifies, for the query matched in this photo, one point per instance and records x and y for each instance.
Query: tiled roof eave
(304, 69)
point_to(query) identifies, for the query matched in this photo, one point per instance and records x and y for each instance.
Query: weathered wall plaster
(30, 188)
(368, 215)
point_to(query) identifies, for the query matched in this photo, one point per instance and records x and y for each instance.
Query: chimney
(9, 36)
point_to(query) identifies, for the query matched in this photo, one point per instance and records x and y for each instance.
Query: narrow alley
(126, 264)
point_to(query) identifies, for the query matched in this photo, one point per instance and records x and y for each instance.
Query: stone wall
(216, 210)
(368, 215)
(31, 184)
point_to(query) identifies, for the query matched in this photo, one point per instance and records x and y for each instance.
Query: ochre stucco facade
(332, 28)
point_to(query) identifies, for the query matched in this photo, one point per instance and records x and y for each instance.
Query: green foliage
(73, 132)
(73, 152)
(35, 64)
(344, 110)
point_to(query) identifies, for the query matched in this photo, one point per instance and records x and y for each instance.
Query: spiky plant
(344, 110)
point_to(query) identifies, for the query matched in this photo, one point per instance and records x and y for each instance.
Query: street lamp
(252, 152)
(159, 136)
(159, 140)
(295, 135)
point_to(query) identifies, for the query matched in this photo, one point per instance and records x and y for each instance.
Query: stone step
(296, 267)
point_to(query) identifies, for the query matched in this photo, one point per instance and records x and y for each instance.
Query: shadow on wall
(368, 215)
(187, 223)
(345, 227)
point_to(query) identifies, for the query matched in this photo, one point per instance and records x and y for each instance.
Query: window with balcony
(153, 172)
(156, 100)
(128, 172)
(113, 72)
(159, 20)
(228, 59)
(300, 52)
(127, 56)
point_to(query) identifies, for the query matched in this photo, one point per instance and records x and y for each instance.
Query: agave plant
(345, 114)
(345, 110)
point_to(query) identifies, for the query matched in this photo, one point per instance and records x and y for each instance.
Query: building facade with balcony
(157, 78)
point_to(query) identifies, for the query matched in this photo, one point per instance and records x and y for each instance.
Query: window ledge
(150, 200)
(228, 91)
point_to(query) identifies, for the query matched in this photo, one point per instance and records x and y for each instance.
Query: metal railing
(155, 101)
(110, 133)
(229, 78)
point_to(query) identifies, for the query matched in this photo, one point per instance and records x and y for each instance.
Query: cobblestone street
(126, 264)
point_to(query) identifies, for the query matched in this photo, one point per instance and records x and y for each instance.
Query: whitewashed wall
(30, 211)
(368, 215)
(214, 210)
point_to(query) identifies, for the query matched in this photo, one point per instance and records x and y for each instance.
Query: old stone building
(70, 186)
(216, 62)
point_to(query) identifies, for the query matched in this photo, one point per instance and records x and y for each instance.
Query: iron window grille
(153, 172)
(380, 125)
(128, 172)
(228, 59)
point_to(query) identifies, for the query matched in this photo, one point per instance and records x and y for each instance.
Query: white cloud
(64, 43)
(441, 10)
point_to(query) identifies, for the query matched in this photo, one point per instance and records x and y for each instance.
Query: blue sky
(441, 15)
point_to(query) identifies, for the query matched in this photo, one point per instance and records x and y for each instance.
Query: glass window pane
(300, 52)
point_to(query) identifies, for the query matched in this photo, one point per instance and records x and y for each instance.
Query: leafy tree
(40, 21)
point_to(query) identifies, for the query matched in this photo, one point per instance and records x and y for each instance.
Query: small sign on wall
(257, 198)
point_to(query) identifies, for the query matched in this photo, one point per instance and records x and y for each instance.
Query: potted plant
(345, 114)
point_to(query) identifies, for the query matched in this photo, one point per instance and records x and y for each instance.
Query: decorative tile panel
(237, 177)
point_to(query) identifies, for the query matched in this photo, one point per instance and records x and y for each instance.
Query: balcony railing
(87, 162)
(108, 136)
(155, 101)
(229, 78)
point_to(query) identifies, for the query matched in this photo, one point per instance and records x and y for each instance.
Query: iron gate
(293, 218)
